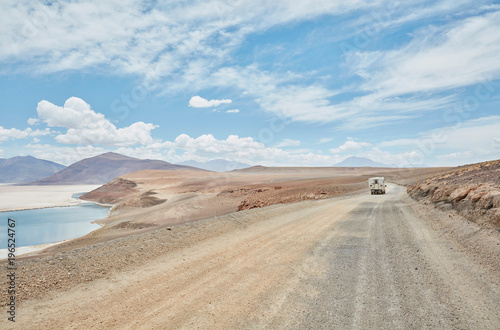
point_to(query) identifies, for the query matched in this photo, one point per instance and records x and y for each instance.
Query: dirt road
(355, 262)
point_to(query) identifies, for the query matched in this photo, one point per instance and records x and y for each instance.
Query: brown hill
(26, 169)
(103, 168)
(471, 190)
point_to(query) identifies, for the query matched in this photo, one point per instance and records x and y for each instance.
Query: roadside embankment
(472, 190)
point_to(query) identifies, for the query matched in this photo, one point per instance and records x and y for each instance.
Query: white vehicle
(377, 185)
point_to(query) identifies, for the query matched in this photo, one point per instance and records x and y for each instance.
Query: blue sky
(285, 83)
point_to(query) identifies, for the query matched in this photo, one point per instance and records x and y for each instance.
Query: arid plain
(259, 247)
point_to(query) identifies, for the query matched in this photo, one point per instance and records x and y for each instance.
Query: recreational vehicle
(377, 185)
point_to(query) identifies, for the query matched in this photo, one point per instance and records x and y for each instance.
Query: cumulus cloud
(87, 127)
(242, 149)
(33, 121)
(207, 144)
(14, 133)
(350, 145)
(64, 155)
(200, 102)
(233, 111)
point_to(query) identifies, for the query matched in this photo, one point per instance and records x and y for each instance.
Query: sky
(275, 83)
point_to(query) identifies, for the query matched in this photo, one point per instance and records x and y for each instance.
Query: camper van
(377, 185)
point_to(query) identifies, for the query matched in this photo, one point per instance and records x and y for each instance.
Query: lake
(49, 225)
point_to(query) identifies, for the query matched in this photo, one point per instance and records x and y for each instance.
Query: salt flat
(13, 198)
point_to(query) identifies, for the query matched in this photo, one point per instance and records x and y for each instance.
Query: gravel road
(370, 261)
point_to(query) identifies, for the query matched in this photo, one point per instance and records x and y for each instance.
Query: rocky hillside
(472, 190)
(122, 189)
(26, 169)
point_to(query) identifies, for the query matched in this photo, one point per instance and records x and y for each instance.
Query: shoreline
(62, 196)
(73, 203)
(24, 250)
(21, 198)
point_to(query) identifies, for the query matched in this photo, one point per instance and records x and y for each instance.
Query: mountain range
(217, 165)
(360, 162)
(103, 168)
(26, 168)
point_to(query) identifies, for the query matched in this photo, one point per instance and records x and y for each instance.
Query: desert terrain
(473, 191)
(266, 248)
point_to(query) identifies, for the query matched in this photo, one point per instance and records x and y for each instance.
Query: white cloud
(233, 111)
(200, 102)
(282, 96)
(457, 156)
(64, 155)
(288, 143)
(14, 133)
(325, 140)
(474, 137)
(428, 149)
(131, 37)
(350, 145)
(151, 151)
(207, 144)
(242, 149)
(189, 43)
(462, 54)
(397, 143)
(403, 159)
(33, 121)
(398, 84)
(85, 126)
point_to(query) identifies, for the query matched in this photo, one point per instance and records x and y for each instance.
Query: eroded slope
(472, 190)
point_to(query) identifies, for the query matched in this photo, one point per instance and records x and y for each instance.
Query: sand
(14, 198)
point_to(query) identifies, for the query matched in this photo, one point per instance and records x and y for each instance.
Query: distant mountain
(26, 168)
(103, 168)
(217, 165)
(360, 162)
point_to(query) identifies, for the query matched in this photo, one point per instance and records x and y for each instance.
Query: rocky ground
(360, 261)
(472, 190)
(154, 212)
(267, 196)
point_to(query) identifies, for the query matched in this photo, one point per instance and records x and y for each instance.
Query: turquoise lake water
(41, 226)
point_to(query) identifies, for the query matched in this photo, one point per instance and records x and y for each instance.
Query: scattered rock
(473, 191)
